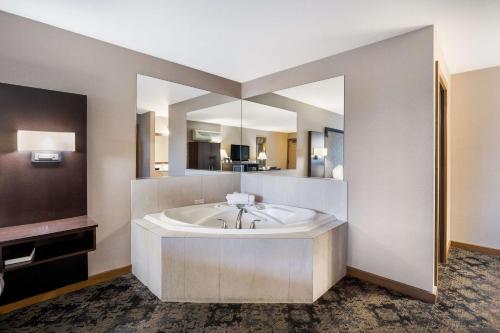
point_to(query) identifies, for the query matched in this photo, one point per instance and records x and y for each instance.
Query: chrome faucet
(252, 225)
(224, 224)
(238, 218)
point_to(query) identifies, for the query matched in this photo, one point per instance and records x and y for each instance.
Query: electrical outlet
(199, 201)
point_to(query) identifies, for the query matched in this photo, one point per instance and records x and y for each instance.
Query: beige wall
(37, 55)
(475, 166)
(389, 151)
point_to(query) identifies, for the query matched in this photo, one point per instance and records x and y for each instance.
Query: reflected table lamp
(223, 158)
(262, 159)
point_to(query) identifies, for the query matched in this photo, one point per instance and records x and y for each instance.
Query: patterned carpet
(469, 299)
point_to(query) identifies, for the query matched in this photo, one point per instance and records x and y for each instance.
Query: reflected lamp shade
(262, 156)
(223, 154)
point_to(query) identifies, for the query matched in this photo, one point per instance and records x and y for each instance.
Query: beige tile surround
(238, 270)
(189, 267)
(152, 195)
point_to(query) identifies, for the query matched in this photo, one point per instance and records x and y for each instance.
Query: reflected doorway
(291, 162)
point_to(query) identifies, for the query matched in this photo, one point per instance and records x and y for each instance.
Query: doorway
(291, 162)
(441, 178)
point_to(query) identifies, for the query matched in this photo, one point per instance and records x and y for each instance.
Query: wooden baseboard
(93, 280)
(476, 248)
(399, 287)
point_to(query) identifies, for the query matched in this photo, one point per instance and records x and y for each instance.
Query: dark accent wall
(30, 192)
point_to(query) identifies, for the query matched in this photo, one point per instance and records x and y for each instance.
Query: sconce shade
(262, 156)
(320, 152)
(223, 154)
(45, 141)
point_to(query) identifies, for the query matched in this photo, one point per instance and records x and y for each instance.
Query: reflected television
(240, 153)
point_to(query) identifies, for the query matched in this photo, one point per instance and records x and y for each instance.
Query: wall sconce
(319, 153)
(45, 147)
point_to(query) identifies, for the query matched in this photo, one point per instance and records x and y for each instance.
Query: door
(291, 162)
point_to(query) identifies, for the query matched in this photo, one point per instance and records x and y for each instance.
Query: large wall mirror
(298, 130)
(182, 130)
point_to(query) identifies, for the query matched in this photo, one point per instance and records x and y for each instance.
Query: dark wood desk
(240, 166)
(61, 248)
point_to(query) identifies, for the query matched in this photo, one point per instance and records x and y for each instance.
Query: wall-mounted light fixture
(319, 153)
(45, 146)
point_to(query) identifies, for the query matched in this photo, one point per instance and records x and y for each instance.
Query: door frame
(441, 171)
(288, 153)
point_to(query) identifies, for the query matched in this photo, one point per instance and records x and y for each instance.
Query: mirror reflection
(183, 130)
(214, 136)
(269, 134)
(166, 111)
(312, 142)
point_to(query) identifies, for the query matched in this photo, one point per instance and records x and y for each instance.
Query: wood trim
(476, 248)
(440, 171)
(436, 172)
(399, 287)
(443, 225)
(93, 280)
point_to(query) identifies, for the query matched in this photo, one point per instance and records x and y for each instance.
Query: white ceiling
(243, 40)
(156, 95)
(325, 94)
(254, 115)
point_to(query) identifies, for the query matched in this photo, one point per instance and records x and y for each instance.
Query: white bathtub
(293, 256)
(271, 219)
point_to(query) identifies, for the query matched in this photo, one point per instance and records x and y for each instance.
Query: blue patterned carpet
(469, 299)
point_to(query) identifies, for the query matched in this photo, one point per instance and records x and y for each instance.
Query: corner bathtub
(270, 219)
(294, 255)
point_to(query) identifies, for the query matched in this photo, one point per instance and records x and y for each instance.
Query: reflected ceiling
(156, 95)
(326, 94)
(255, 116)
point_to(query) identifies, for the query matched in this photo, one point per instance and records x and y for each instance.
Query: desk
(240, 166)
(61, 248)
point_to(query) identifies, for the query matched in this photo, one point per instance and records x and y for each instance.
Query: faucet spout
(239, 217)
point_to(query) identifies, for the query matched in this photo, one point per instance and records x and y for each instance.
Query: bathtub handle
(252, 225)
(224, 224)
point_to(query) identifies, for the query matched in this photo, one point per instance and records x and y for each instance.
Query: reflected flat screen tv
(240, 153)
